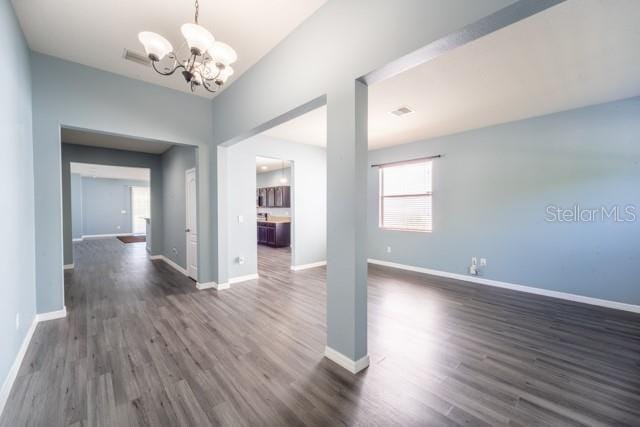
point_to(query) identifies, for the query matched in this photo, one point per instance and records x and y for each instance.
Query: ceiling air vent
(136, 57)
(402, 111)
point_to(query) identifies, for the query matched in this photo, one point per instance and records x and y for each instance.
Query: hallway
(141, 346)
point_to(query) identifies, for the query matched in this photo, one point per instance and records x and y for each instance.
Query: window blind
(406, 200)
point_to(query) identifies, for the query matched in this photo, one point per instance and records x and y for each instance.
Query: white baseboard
(171, 263)
(353, 366)
(529, 289)
(212, 285)
(68, 266)
(239, 279)
(52, 315)
(306, 266)
(15, 367)
(104, 236)
(79, 239)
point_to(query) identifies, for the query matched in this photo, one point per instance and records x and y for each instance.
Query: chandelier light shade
(223, 53)
(155, 46)
(207, 64)
(198, 38)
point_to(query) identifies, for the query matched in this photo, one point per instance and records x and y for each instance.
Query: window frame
(381, 196)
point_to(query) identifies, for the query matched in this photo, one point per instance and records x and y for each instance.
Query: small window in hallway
(406, 196)
(140, 208)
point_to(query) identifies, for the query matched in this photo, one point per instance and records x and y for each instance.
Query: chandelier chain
(197, 10)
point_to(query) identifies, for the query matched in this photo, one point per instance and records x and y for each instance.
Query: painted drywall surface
(308, 196)
(273, 179)
(175, 162)
(340, 42)
(17, 255)
(68, 94)
(103, 204)
(76, 206)
(491, 191)
(105, 156)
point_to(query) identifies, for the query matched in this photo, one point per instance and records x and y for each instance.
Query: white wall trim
(17, 362)
(15, 367)
(212, 285)
(103, 236)
(521, 288)
(239, 279)
(78, 239)
(52, 315)
(170, 262)
(353, 366)
(68, 266)
(307, 266)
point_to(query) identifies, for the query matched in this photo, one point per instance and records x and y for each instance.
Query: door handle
(187, 230)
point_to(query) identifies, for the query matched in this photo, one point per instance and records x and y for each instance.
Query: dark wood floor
(141, 346)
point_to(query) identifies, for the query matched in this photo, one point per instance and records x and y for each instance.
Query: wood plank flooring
(142, 346)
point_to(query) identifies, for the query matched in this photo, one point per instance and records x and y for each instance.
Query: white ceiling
(578, 53)
(92, 139)
(112, 172)
(96, 32)
(309, 128)
(268, 164)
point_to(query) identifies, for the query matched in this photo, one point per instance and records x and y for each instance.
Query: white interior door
(140, 209)
(191, 229)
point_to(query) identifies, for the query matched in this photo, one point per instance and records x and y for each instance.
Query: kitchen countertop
(276, 220)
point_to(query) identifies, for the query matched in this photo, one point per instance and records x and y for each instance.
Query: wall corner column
(347, 108)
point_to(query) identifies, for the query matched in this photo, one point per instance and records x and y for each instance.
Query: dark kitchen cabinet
(274, 197)
(261, 197)
(274, 234)
(271, 197)
(283, 197)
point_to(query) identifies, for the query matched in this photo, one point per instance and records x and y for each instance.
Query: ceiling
(578, 53)
(96, 32)
(104, 140)
(268, 164)
(113, 172)
(309, 128)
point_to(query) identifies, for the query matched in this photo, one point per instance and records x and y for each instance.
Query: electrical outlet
(388, 249)
(240, 260)
(483, 262)
(474, 261)
(174, 250)
(240, 219)
(117, 227)
(17, 321)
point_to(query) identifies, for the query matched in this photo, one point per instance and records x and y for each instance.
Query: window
(140, 209)
(406, 196)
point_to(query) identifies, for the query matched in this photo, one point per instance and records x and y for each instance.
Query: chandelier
(207, 63)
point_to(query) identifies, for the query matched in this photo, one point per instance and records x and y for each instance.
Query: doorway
(274, 206)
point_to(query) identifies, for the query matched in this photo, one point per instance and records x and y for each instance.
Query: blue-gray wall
(272, 179)
(17, 265)
(68, 94)
(361, 37)
(105, 156)
(103, 201)
(76, 206)
(309, 196)
(493, 185)
(175, 162)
